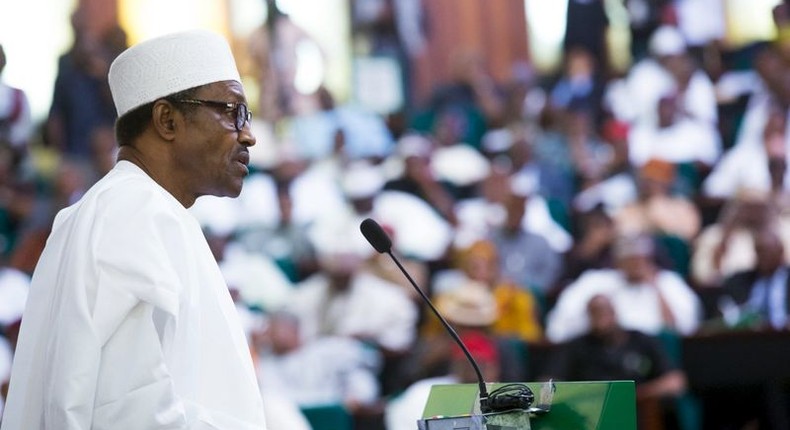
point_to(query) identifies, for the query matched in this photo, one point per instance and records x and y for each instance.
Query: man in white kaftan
(152, 318)
(367, 307)
(647, 298)
(129, 323)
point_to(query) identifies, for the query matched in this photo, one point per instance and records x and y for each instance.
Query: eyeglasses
(243, 114)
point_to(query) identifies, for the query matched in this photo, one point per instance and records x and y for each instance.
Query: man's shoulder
(128, 188)
(375, 285)
(597, 276)
(738, 278)
(738, 285)
(122, 196)
(667, 276)
(591, 282)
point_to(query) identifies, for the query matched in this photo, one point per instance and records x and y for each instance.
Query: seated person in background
(286, 241)
(761, 294)
(469, 308)
(342, 299)
(525, 258)
(726, 247)
(498, 195)
(519, 313)
(668, 69)
(675, 137)
(580, 86)
(657, 210)
(748, 166)
(609, 352)
(382, 266)
(322, 371)
(646, 297)
(403, 411)
(662, 212)
(594, 237)
(417, 178)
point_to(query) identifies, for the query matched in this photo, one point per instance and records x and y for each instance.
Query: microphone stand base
(509, 420)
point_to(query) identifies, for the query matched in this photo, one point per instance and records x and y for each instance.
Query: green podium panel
(607, 405)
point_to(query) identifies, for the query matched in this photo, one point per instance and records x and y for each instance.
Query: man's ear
(164, 117)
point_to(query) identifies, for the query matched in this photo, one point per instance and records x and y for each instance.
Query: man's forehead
(225, 89)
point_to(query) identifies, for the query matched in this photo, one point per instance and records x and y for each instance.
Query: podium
(609, 405)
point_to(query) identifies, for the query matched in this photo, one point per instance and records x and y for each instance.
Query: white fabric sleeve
(149, 277)
(568, 318)
(108, 369)
(725, 178)
(685, 305)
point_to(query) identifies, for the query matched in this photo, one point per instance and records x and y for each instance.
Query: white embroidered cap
(168, 64)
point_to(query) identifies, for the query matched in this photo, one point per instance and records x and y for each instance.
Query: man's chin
(231, 192)
(234, 189)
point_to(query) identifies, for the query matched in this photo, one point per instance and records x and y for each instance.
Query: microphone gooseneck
(382, 243)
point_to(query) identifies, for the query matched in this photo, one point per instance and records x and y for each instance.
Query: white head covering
(498, 140)
(667, 40)
(460, 165)
(168, 64)
(362, 180)
(524, 184)
(414, 145)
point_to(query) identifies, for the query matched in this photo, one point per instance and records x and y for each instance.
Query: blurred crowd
(590, 213)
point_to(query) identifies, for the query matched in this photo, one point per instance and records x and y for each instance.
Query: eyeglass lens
(242, 116)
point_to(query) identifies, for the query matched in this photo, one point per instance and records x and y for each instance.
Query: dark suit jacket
(738, 287)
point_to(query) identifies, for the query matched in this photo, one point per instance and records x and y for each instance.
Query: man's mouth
(244, 158)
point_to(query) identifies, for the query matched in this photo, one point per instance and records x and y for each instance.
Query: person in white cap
(669, 69)
(645, 296)
(129, 323)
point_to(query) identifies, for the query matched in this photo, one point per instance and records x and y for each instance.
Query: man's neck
(152, 169)
(613, 337)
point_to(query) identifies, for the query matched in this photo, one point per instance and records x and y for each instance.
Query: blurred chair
(328, 417)
(687, 406)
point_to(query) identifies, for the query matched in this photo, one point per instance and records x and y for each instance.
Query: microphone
(382, 243)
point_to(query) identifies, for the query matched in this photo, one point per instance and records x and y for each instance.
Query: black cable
(511, 396)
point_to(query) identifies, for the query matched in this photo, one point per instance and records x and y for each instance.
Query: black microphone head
(375, 235)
